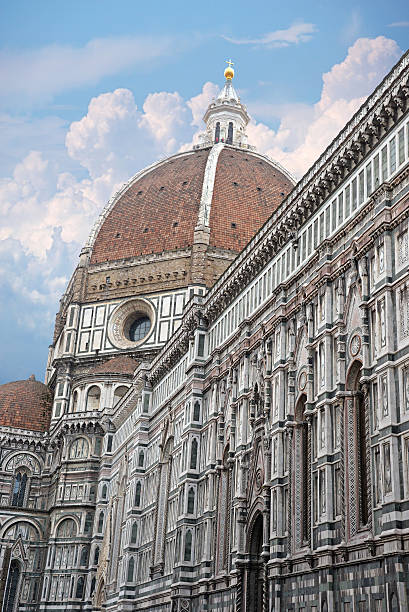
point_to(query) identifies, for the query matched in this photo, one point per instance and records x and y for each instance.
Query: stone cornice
(23, 439)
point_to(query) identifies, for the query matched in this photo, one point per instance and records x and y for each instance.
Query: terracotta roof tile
(142, 221)
(25, 404)
(247, 190)
(159, 211)
(116, 365)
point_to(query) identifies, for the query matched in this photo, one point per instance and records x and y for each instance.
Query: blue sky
(94, 90)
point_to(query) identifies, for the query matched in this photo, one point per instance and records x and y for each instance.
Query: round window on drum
(139, 328)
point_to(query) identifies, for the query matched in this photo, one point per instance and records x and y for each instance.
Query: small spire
(229, 71)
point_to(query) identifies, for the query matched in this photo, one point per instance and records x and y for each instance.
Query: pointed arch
(217, 132)
(100, 522)
(131, 570)
(13, 589)
(134, 532)
(255, 572)
(187, 556)
(230, 133)
(138, 489)
(302, 474)
(20, 488)
(191, 501)
(193, 454)
(224, 514)
(357, 443)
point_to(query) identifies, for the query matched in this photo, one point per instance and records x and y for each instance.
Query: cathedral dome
(160, 208)
(25, 404)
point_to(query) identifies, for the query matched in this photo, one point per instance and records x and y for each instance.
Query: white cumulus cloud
(304, 132)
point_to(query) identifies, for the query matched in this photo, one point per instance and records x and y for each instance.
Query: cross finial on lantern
(229, 71)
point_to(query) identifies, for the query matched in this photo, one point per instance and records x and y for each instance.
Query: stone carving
(382, 322)
(384, 390)
(381, 259)
(403, 248)
(387, 474)
(123, 316)
(355, 345)
(23, 459)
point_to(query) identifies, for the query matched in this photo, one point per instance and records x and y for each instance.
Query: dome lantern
(226, 117)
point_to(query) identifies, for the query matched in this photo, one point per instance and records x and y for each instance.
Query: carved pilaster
(309, 480)
(239, 590)
(265, 587)
(342, 472)
(290, 477)
(368, 454)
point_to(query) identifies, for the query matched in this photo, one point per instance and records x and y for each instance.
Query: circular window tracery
(131, 323)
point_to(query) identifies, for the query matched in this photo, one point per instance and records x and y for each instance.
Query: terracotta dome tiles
(159, 211)
(247, 190)
(25, 404)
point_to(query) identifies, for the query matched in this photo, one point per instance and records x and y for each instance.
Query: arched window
(230, 133)
(100, 522)
(141, 458)
(138, 494)
(84, 557)
(93, 398)
(119, 393)
(96, 555)
(79, 591)
(196, 411)
(217, 132)
(79, 449)
(19, 489)
(193, 455)
(34, 590)
(92, 589)
(134, 532)
(23, 529)
(12, 587)
(88, 523)
(302, 463)
(104, 492)
(255, 589)
(75, 402)
(355, 406)
(131, 569)
(191, 501)
(188, 546)
(66, 529)
(224, 515)
(394, 606)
